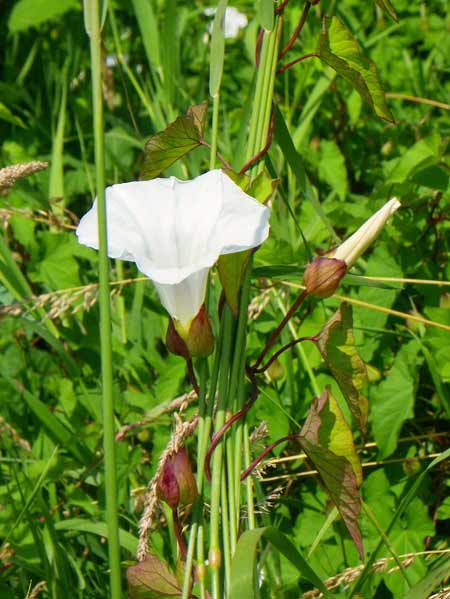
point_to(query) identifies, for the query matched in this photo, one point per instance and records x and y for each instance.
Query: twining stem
(296, 61)
(92, 17)
(263, 454)
(274, 336)
(297, 31)
(280, 351)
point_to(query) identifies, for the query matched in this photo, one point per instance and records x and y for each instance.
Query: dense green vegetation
(339, 156)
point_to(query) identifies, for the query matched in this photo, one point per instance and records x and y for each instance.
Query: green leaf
(393, 399)
(217, 49)
(152, 579)
(266, 15)
(9, 117)
(55, 429)
(178, 139)
(327, 440)
(243, 565)
(401, 506)
(126, 540)
(339, 49)
(388, 8)
(31, 13)
(336, 343)
(332, 167)
(295, 161)
(421, 155)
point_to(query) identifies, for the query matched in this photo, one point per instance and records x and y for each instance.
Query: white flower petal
(353, 247)
(184, 300)
(176, 229)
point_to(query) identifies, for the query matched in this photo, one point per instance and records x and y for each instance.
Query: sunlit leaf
(339, 49)
(243, 566)
(327, 440)
(336, 343)
(178, 139)
(152, 579)
(393, 399)
(31, 13)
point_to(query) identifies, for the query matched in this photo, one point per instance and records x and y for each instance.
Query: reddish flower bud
(192, 341)
(323, 276)
(176, 484)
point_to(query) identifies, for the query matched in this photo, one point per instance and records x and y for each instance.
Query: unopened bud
(176, 484)
(323, 276)
(192, 341)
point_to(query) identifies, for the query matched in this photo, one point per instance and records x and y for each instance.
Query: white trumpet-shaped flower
(175, 230)
(353, 247)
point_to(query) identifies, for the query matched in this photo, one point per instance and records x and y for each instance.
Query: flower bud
(176, 484)
(323, 275)
(353, 247)
(192, 341)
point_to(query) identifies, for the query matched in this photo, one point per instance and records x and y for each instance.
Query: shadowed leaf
(336, 343)
(178, 139)
(386, 5)
(151, 579)
(327, 441)
(339, 49)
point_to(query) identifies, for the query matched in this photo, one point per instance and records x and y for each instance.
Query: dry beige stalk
(10, 174)
(5, 427)
(36, 590)
(182, 431)
(349, 575)
(258, 304)
(179, 404)
(39, 216)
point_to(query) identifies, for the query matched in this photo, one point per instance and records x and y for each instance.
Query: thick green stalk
(91, 9)
(216, 481)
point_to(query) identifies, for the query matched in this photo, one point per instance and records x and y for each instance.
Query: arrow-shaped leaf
(152, 579)
(327, 440)
(339, 49)
(178, 139)
(336, 343)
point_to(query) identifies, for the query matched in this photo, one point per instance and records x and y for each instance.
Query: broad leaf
(340, 50)
(152, 579)
(386, 5)
(31, 13)
(266, 14)
(178, 139)
(336, 343)
(327, 440)
(243, 566)
(393, 400)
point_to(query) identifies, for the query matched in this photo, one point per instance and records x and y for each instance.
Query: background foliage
(156, 66)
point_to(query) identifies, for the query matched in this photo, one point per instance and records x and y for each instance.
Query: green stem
(92, 16)
(216, 481)
(214, 132)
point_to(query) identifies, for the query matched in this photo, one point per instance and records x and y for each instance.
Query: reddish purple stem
(262, 455)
